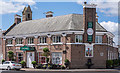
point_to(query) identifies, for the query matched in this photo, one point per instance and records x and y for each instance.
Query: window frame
(19, 41)
(30, 40)
(80, 38)
(10, 41)
(39, 57)
(42, 40)
(99, 38)
(57, 39)
(55, 55)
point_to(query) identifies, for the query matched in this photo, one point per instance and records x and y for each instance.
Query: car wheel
(8, 68)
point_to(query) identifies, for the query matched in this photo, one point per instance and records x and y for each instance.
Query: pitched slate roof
(58, 23)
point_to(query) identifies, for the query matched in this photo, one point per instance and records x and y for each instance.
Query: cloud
(14, 6)
(109, 7)
(112, 27)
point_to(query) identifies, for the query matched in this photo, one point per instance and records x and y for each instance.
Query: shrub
(23, 63)
(39, 66)
(44, 66)
(11, 55)
(3, 61)
(34, 62)
(67, 61)
(116, 62)
(45, 49)
(109, 63)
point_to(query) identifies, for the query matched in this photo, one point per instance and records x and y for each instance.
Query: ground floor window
(41, 59)
(57, 58)
(20, 57)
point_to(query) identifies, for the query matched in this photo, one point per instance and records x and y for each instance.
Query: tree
(11, 56)
(46, 54)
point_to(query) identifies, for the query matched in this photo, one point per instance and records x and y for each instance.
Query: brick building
(76, 37)
(1, 54)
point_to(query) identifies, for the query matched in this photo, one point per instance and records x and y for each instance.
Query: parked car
(10, 65)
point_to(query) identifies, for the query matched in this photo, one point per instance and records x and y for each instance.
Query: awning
(27, 48)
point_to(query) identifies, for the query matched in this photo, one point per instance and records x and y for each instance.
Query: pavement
(71, 70)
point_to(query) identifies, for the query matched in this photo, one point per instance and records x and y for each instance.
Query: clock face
(90, 31)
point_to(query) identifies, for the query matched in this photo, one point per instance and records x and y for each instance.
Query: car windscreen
(12, 62)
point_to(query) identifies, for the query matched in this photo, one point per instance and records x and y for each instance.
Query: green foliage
(34, 62)
(11, 55)
(23, 62)
(116, 62)
(10, 52)
(109, 63)
(46, 54)
(67, 61)
(3, 61)
(45, 49)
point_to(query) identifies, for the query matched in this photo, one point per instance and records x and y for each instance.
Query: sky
(107, 11)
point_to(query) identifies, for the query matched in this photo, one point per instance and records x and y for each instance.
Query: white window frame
(57, 39)
(39, 57)
(59, 54)
(9, 41)
(30, 40)
(19, 41)
(98, 40)
(42, 40)
(79, 38)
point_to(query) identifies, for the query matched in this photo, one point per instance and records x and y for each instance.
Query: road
(53, 72)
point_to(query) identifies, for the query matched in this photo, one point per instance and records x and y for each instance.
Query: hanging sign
(90, 32)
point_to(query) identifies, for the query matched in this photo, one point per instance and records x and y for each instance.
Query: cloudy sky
(107, 11)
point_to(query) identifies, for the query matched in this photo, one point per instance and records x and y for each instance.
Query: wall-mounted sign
(90, 25)
(101, 54)
(90, 31)
(27, 48)
(89, 38)
(88, 50)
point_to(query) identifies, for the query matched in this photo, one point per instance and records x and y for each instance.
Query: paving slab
(69, 70)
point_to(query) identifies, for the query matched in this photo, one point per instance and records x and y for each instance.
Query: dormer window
(9, 41)
(78, 38)
(56, 39)
(19, 41)
(42, 40)
(30, 40)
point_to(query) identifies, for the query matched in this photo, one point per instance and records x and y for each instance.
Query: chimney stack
(97, 17)
(49, 14)
(89, 22)
(17, 19)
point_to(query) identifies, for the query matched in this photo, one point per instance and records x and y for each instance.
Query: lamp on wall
(64, 51)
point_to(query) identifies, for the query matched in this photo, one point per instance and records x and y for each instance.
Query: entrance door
(30, 58)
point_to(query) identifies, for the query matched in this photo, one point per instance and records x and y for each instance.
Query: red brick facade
(75, 52)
